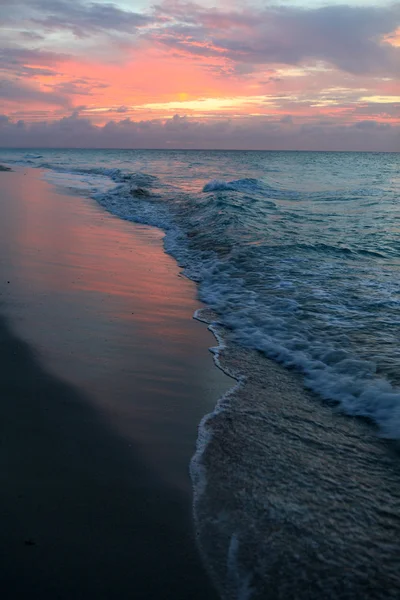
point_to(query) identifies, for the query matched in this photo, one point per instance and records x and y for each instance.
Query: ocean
(297, 257)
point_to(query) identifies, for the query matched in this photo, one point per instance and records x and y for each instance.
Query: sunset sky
(302, 74)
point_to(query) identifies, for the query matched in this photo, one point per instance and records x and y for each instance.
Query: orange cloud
(393, 38)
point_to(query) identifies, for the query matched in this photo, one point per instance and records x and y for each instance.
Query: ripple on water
(293, 500)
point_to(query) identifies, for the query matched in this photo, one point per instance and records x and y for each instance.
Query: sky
(278, 74)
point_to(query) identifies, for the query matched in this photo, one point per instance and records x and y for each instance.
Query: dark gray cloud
(31, 35)
(83, 18)
(79, 16)
(377, 109)
(181, 132)
(372, 125)
(80, 87)
(15, 60)
(348, 37)
(17, 91)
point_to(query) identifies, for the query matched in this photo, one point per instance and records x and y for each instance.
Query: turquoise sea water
(298, 252)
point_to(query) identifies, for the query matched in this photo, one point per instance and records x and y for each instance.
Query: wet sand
(105, 376)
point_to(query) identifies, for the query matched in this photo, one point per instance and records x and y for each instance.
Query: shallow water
(292, 500)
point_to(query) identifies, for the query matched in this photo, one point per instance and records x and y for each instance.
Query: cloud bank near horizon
(183, 133)
(303, 70)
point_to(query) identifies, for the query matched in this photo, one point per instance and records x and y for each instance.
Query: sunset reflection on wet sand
(107, 310)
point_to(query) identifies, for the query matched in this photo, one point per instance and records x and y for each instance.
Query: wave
(96, 181)
(250, 185)
(138, 180)
(239, 185)
(117, 175)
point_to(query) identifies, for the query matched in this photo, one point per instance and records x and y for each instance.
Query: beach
(131, 462)
(200, 300)
(105, 379)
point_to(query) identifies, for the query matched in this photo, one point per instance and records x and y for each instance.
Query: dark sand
(105, 377)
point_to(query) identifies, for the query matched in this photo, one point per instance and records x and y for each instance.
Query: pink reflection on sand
(72, 255)
(103, 308)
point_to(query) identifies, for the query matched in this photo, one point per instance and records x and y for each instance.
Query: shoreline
(97, 491)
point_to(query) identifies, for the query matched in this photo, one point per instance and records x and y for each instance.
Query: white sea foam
(83, 182)
(239, 583)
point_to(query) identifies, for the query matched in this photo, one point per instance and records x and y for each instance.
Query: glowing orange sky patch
(393, 38)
